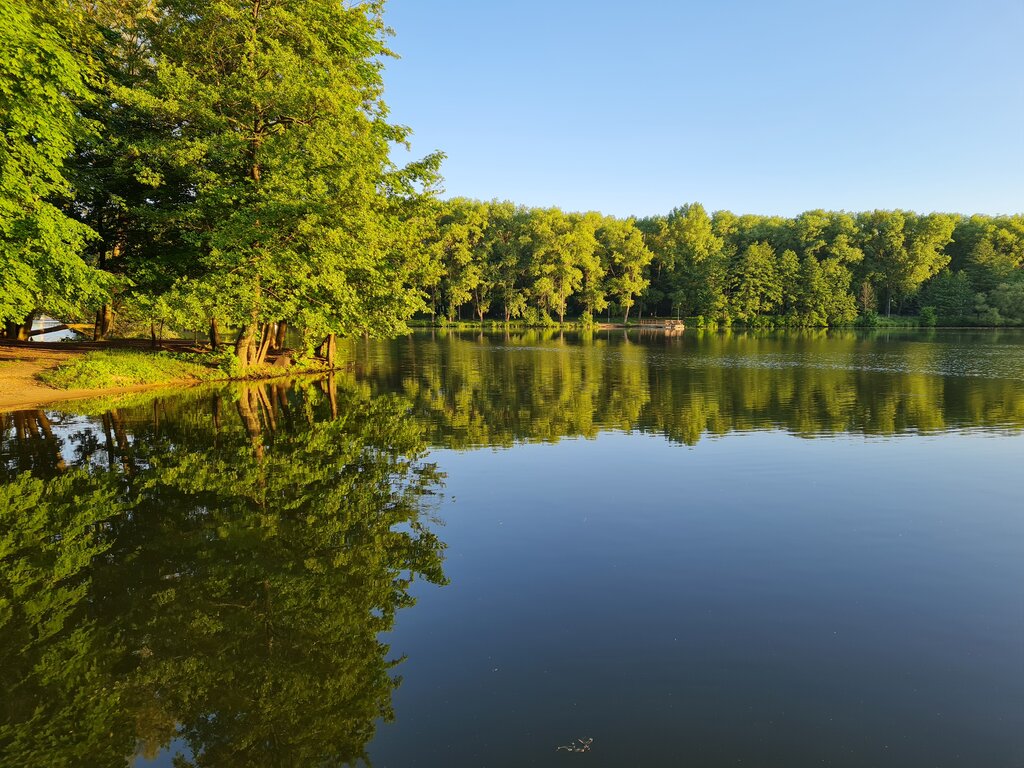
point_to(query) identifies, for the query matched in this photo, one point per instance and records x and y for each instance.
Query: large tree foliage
(903, 250)
(45, 76)
(273, 112)
(626, 257)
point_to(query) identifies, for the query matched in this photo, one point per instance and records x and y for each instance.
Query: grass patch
(124, 368)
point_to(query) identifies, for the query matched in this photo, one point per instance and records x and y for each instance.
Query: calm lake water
(775, 550)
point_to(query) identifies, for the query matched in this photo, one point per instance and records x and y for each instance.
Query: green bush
(869, 319)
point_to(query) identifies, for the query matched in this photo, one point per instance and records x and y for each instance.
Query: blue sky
(758, 107)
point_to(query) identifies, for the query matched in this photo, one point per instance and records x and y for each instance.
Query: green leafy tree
(507, 233)
(694, 257)
(788, 272)
(840, 305)
(556, 250)
(996, 251)
(756, 289)
(285, 145)
(583, 241)
(653, 229)
(951, 293)
(903, 250)
(1007, 300)
(814, 293)
(461, 227)
(622, 250)
(45, 77)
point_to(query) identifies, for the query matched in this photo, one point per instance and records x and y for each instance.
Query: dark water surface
(777, 550)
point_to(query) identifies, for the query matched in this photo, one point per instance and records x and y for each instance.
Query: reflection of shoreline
(469, 390)
(476, 390)
(228, 562)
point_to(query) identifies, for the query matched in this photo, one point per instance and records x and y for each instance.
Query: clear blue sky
(758, 107)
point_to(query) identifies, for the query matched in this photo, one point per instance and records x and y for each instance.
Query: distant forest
(818, 269)
(230, 165)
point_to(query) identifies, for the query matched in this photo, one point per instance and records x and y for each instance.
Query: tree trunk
(214, 334)
(245, 343)
(268, 408)
(152, 333)
(282, 335)
(328, 349)
(266, 337)
(625, 315)
(20, 331)
(332, 395)
(215, 411)
(331, 349)
(104, 322)
(247, 405)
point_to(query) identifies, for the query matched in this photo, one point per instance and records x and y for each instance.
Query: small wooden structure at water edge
(661, 324)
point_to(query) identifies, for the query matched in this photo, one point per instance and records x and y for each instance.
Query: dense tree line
(229, 164)
(817, 269)
(513, 262)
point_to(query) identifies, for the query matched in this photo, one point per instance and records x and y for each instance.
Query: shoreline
(22, 361)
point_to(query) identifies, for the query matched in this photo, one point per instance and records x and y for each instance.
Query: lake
(706, 549)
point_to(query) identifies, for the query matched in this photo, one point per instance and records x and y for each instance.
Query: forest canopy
(230, 165)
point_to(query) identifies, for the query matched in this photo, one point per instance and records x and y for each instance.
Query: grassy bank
(125, 368)
(105, 369)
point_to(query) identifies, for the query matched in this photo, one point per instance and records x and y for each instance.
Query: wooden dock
(662, 324)
(648, 324)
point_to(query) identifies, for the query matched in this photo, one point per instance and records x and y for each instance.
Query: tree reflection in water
(498, 389)
(216, 568)
(213, 568)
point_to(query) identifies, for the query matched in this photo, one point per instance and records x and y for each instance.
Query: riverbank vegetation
(119, 369)
(212, 164)
(230, 167)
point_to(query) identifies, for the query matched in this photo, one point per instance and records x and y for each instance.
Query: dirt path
(20, 361)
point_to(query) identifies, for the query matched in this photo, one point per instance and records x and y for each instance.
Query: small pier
(661, 324)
